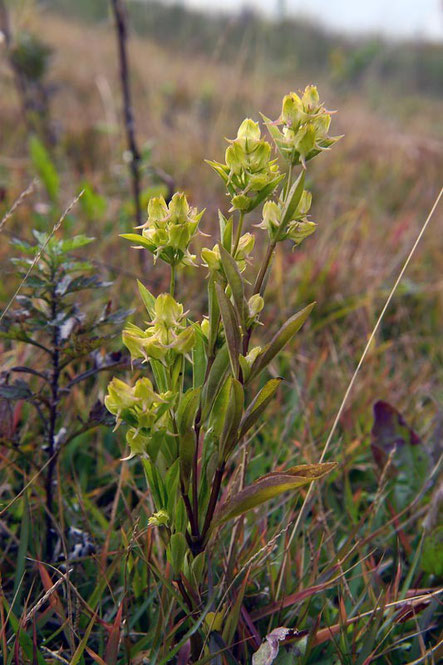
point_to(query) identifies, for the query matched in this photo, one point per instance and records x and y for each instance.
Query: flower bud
(298, 231)
(249, 169)
(169, 230)
(255, 305)
(305, 124)
(160, 518)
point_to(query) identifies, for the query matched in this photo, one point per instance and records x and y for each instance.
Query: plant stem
(195, 476)
(212, 501)
(53, 413)
(135, 161)
(238, 234)
(184, 594)
(172, 280)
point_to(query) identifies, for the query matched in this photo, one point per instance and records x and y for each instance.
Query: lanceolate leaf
(198, 361)
(258, 405)
(268, 487)
(234, 413)
(140, 240)
(292, 201)
(215, 380)
(279, 341)
(214, 315)
(187, 410)
(148, 299)
(232, 328)
(235, 281)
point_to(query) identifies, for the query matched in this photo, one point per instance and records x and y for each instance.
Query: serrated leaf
(268, 487)
(258, 405)
(232, 328)
(280, 339)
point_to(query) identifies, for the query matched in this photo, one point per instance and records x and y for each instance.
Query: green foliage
(200, 406)
(44, 167)
(50, 318)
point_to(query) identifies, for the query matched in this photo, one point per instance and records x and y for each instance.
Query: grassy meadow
(356, 575)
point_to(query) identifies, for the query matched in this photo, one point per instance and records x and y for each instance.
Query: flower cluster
(169, 229)
(249, 173)
(298, 228)
(305, 124)
(166, 333)
(211, 257)
(145, 411)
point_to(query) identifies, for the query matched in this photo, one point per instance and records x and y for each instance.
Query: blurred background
(195, 72)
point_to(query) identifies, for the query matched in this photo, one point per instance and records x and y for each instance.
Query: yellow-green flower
(304, 123)
(211, 257)
(167, 332)
(249, 172)
(169, 230)
(297, 229)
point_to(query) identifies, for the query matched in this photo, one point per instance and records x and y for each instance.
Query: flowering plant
(190, 419)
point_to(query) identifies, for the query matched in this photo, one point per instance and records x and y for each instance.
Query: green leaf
(221, 169)
(258, 405)
(159, 373)
(155, 484)
(148, 299)
(232, 328)
(15, 391)
(214, 315)
(272, 128)
(44, 167)
(186, 449)
(292, 201)
(139, 240)
(229, 437)
(280, 339)
(198, 360)
(215, 380)
(268, 487)
(20, 561)
(219, 410)
(265, 192)
(74, 243)
(177, 549)
(235, 281)
(226, 226)
(187, 410)
(432, 555)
